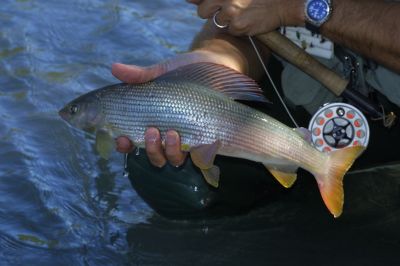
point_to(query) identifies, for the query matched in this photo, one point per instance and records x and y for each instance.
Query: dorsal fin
(220, 78)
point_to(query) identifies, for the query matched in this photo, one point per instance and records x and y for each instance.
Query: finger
(154, 149)
(220, 19)
(124, 144)
(136, 74)
(208, 8)
(232, 14)
(173, 149)
(239, 26)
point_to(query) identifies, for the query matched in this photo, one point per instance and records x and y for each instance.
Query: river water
(60, 204)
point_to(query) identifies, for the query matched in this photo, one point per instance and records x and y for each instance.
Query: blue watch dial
(318, 10)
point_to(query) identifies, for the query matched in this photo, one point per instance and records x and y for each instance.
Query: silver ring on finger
(216, 22)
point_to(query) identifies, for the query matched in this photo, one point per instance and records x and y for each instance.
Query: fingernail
(151, 136)
(172, 138)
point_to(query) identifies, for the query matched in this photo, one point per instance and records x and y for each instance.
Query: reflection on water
(61, 204)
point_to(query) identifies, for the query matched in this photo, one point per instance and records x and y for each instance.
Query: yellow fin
(211, 175)
(331, 182)
(203, 157)
(104, 144)
(286, 179)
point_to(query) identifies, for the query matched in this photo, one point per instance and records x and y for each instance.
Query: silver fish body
(207, 118)
(202, 116)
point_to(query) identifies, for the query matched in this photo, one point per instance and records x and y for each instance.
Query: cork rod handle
(283, 47)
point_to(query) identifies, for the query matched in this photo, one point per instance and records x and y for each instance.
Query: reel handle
(283, 47)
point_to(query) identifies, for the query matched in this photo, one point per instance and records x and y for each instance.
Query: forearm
(370, 27)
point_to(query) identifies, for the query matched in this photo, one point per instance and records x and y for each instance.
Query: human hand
(252, 17)
(156, 152)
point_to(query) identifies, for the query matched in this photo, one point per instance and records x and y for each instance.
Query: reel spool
(338, 125)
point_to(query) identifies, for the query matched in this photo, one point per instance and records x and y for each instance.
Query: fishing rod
(339, 86)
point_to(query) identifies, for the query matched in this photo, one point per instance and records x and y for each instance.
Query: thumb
(138, 74)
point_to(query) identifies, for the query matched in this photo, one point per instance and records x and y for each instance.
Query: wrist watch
(317, 12)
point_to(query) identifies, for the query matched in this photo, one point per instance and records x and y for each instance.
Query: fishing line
(271, 81)
(126, 172)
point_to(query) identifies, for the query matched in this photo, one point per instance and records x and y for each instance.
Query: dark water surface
(60, 204)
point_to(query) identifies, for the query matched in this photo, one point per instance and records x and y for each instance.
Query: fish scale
(188, 107)
(178, 113)
(197, 101)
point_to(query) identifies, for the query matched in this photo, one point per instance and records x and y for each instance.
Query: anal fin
(285, 178)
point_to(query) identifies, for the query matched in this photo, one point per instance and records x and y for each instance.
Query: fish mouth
(63, 114)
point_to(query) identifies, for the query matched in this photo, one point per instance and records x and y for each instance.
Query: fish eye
(73, 109)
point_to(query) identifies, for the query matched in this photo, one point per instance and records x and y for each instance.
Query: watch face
(318, 10)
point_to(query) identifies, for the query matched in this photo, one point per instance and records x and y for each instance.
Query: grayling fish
(198, 101)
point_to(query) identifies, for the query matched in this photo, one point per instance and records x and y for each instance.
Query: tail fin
(331, 182)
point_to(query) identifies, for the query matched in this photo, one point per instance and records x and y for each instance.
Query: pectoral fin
(104, 144)
(211, 175)
(203, 157)
(286, 177)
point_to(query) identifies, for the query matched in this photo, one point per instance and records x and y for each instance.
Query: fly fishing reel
(338, 125)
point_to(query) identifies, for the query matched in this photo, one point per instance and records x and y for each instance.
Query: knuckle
(238, 26)
(153, 147)
(231, 11)
(172, 153)
(152, 150)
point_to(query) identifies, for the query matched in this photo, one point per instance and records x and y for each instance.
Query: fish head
(84, 112)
